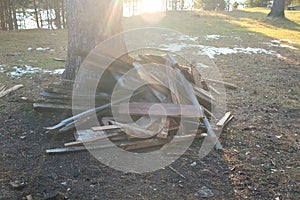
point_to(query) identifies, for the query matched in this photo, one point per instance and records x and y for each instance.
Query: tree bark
(2, 16)
(63, 14)
(36, 14)
(89, 22)
(15, 16)
(57, 14)
(277, 9)
(8, 15)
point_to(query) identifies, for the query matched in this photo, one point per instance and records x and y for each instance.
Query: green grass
(256, 20)
(17, 43)
(225, 23)
(238, 23)
(191, 23)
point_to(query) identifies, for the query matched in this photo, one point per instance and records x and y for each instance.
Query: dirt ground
(260, 159)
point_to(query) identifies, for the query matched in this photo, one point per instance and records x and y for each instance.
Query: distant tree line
(46, 13)
(265, 3)
(210, 4)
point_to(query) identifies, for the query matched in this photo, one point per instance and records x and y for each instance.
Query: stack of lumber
(157, 111)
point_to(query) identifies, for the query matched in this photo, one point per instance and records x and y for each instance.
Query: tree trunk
(277, 9)
(57, 14)
(15, 16)
(36, 14)
(8, 15)
(89, 22)
(63, 14)
(2, 16)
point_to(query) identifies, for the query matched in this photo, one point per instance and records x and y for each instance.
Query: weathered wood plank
(103, 128)
(55, 107)
(165, 129)
(127, 146)
(226, 84)
(161, 109)
(224, 119)
(94, 139)
(6, 92)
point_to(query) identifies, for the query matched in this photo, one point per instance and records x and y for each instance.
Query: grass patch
(14, 48)
(15, 44)
(191, 23)
(256, 20)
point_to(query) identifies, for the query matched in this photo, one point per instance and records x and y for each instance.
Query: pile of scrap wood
(156, 111)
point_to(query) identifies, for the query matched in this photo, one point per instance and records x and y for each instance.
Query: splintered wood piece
(224, 119)
(214, 89)
(172, 85)
(65, 150)
(59, 59)
(212, 134)
(152, 59)
(177, 172)
(165, 129)
(6, 92)
(127, 146)
(97, 138)
(226, 84)
(161, 109)
(198, 79)
(55, 107)
(141, 144)
(133, 130)
(103, 128)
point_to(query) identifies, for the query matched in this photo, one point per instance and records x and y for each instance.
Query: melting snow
(20, 71)
(211, 51)
(282, 43)
(41, 49)
(212, 37)
(26, 69)
(187, 38)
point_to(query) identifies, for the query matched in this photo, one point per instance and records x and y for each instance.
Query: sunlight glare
(150, 6)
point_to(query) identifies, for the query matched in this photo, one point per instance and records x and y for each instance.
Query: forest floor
(260, 159)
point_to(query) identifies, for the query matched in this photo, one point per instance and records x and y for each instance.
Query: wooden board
(224, 119)
(55, 107)
(103, 128)
(127, 146)
(94, 139)
(6, 92)
(161, 109)
(226, 84)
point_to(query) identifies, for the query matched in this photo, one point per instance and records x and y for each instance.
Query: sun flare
(151, 6)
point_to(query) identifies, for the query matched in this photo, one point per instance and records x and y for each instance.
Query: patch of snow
(187, 38)
(26, 69)
(212, 37)
(29, 49)
(57, 71)
(283, 40)
(1, 69)
(211, 51)
(44, 49)
(282, 43)
(20, 71)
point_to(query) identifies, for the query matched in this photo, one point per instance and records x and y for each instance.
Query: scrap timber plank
(82, 142)
(161, 109)
(6, 92)
(103, 128)
(134, 145)
(224, 119)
